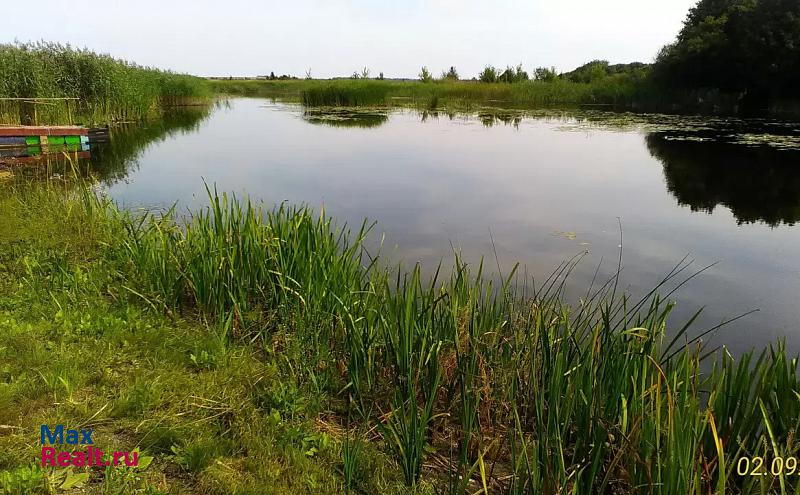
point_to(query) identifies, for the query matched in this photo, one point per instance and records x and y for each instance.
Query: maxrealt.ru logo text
(82, 438)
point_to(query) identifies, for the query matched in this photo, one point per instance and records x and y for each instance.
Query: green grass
(218, 413)
(620, 90)
(246, 346)
(107, 89)
(358, 93)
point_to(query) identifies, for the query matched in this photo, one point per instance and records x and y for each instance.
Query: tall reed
(346, 94)
(107, 89)
(535, 395)
(614, 91)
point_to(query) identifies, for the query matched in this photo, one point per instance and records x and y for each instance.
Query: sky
(337, 37)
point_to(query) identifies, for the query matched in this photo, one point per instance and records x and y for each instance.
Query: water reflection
(757, 183)
(364, 119)
(361, 118)
(546, 184)
(749, 166)
(489, 119)
(114, 157)
(112, 161)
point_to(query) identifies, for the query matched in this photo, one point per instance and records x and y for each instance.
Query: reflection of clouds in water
(113, 160)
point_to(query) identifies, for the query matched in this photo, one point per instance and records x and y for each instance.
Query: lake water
(543, 186)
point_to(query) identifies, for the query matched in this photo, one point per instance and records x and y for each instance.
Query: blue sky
(239, 37)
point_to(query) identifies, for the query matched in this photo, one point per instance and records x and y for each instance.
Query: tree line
(749, 49)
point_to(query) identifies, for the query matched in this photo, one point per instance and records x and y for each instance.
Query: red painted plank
(43, 131)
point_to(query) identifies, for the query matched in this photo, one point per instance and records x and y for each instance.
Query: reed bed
(107, 89)
(357, 93)
(617, 91)
(621, 91)
(475, 384)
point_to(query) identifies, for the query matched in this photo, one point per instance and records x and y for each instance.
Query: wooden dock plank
(23, 131)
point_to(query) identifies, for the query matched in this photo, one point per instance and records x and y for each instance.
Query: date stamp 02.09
(762, 466)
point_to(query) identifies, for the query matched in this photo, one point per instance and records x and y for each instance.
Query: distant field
(620, 91)
(616, 91)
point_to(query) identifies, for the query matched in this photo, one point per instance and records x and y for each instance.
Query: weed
(539, 396)
(105, 89)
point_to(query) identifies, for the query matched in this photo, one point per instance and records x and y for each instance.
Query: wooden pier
(23, 144)
(40, 130)
(21, 136)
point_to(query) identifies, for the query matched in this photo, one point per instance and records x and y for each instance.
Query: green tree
(520, 75)
(512, 75)
(451, 75)
(545, 74)
(425, 75)
(506, 76)
(589, 72)
(747, 46)
(488, 75)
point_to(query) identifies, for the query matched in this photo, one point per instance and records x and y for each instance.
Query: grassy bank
(263, 350)
(461, 94)
(106, 89)
(617, 91)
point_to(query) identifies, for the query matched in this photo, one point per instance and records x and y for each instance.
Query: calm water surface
(545, 187)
